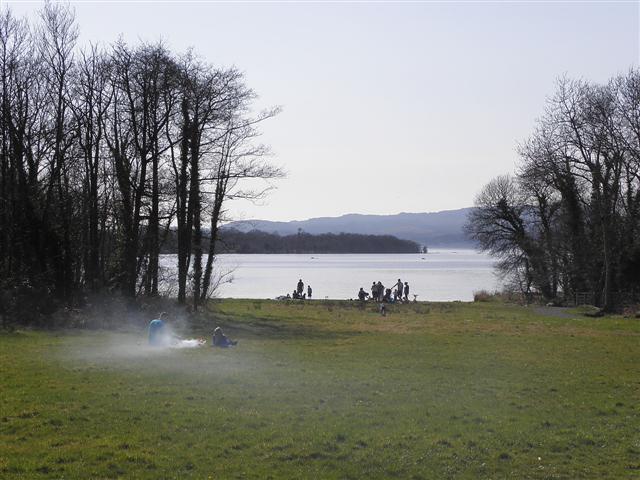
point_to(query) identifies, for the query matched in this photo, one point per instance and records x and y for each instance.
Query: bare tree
(579, 189)
(109, 150)
(238, 158)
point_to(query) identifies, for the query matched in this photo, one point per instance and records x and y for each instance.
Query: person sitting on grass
(158, 335)
(387, 296)
(221, 340)
(362, 295)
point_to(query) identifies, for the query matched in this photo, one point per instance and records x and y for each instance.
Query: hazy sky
(387, 107)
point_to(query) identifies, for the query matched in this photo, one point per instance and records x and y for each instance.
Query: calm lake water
(440, 275)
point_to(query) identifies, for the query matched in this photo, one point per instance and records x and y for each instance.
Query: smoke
(119, 341)
(168, 338)
(128, 351)
(189, 343)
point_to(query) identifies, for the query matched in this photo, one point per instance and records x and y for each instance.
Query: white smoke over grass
(169, 338)
(130, 351)
(113, 336)
(189, 343)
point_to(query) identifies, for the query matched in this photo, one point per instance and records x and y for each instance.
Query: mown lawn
(327, 390)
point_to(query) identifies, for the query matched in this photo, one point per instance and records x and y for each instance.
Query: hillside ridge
(435, 229)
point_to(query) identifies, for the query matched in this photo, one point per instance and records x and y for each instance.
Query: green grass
(327, 390)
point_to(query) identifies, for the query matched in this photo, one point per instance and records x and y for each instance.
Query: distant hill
(436, 229)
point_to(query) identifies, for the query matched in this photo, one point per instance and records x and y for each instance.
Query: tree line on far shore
(256, 241)
(567, 224)
(105, 149)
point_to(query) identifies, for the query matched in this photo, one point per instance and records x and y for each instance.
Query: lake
(440, 275)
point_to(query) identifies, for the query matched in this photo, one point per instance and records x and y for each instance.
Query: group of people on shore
(398, 293)
(298, 293)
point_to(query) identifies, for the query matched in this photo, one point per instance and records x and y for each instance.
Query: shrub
(482, 296)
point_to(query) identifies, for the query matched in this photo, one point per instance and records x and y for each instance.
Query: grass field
(327, 390)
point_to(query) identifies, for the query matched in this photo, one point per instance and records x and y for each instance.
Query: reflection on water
(439, 275)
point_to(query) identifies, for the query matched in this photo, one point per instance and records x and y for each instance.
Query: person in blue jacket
(158, 334)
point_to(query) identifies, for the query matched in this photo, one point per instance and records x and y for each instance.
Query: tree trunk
(194, 202)
(183, 215)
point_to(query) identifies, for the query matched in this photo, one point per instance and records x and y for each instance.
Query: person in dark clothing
(387, 296)
(300, 287)
(374, 291)
(296, 295)
(309, 291)
(399, 287)
(406, 291)
(380, 295)
(221, 340)
(362, 295)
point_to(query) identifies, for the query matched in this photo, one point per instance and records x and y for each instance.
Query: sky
(386, 107)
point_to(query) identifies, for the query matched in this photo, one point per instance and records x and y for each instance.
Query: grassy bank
(328, 390)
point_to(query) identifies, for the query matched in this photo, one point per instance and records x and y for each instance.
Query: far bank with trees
(255, 241)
